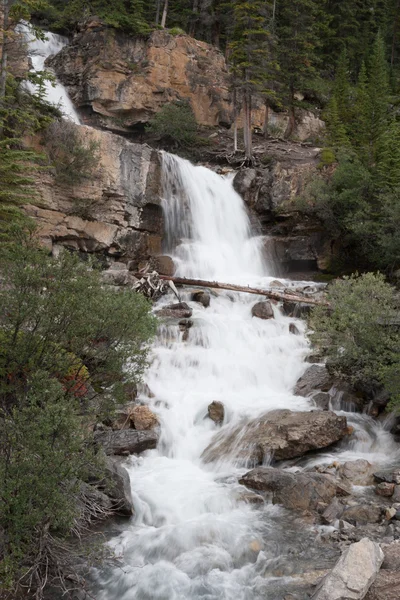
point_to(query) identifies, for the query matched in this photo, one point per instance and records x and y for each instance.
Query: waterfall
(39, 51)
(193, 537)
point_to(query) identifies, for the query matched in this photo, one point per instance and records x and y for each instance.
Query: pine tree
(360, 131)
(337, 135)
(298, 28)
(341, 89)
(251, 60)
(388, 158)
(378, 92)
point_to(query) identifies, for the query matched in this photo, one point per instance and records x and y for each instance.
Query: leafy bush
(74, 158)
(176, 31)
(65, 344)
(359, 333)
(175, 121)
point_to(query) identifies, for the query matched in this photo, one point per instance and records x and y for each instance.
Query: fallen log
(273, 295)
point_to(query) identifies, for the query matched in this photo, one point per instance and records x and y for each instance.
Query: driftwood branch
(273, 295)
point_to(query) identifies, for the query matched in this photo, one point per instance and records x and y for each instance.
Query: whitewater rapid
(193, 535)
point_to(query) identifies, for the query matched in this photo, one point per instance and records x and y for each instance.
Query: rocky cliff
(120, 82)
(116, 213)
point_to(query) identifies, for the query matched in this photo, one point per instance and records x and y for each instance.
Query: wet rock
(321, 400)
(357, 472)
(180, 310)
(390, 513)
(216, 412)
(280, 433)
(276, 284)
(184, 326)
(391, 562)
(202, 297)
(353, 574)
(300, 491)
(127, 441)
(118, 488)
(142, 418)
(315, 378)
(387, 476)
(385, 587)
(384, 489)
(263, 310)
(362, 514)
(296, 309)
(333, 511)
(293, 329)
(396, 494)
(164, 265)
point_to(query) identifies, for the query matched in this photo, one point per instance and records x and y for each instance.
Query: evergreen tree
(251, 56)
(360, 132)
(342, 88)
(337, 136)
(388, 158)
(298, 28)
(378, 93)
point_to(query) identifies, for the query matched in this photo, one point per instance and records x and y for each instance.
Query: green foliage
(176, 31)
(73, 157)
(336, 130)
(66, 343)
(357, 331)
(327, 158)
(177, 122)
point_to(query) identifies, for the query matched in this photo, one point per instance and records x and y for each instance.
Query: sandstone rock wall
(115, 213)
(120, 82)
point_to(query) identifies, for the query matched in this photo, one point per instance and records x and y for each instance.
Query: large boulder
(281, 434)
(263, 310)
(127, 441)
(118, 487)
(362, 514)
(353, 574)
(180, 310)
(142, 418)
(357, 472)
(315, 378)
(300, 491)
(202, 297)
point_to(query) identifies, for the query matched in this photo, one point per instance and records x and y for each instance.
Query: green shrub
(358, 333)
(74, 158)
(177, 122)
(176, 31)
(327, 158)
(65, 341)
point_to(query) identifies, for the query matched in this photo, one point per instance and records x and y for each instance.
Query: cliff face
(119, 81)
(116, 213)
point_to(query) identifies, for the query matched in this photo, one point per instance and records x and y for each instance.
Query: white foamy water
(193, 537)
(39, 51)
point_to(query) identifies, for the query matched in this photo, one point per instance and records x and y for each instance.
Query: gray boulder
(202, 297)
(315, 378)
(281, 433)
(127, 441)
(300, 491)
(263, 310)
(353, 574)
(118, 488)
(180, 310)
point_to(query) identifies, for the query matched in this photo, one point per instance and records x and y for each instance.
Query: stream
(195, 535)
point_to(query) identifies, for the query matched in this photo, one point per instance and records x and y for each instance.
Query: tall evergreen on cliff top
(299, 28)
(251, 55)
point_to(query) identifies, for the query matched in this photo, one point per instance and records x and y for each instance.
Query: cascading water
(193, 536)
(39, 51)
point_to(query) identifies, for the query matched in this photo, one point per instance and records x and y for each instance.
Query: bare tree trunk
(235, 116)
(274, 295)
(266, 119)
(3, 47)
(164, 15)
(292, 119)
(158, 9)
(247, 124)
